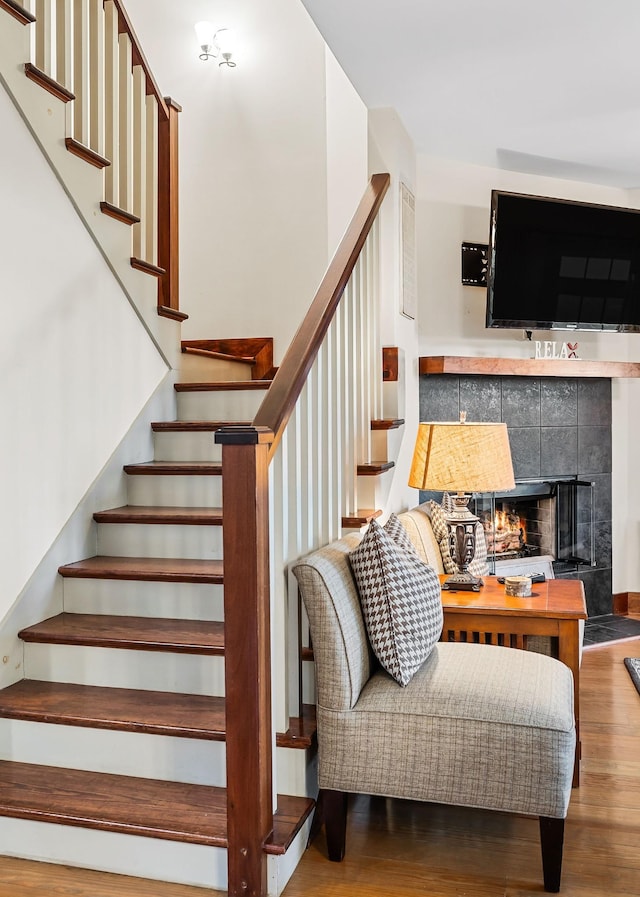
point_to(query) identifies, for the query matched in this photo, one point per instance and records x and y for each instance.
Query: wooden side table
(492, 617)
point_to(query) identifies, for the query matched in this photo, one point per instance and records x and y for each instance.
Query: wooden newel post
(248, 655)
(168, 250)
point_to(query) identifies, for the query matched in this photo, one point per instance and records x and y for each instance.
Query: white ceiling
(545, 86)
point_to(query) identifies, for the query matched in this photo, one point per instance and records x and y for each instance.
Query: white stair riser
(224, 404)
(186, 445)
(141, 754)
(175, 491)
(373, 490)
(153, 858)
(297, 771)
(123, 597)
(119, 668)
(190, 864)
(119, 753)
(200, 369)
(159, 540)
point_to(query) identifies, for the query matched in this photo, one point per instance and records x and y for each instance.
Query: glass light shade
(225, 38)
(204, 32)
(462, 457)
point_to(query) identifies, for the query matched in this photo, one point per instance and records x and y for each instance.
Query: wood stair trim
(147, 267)
(392, 423)
(146, 569)
(174, 468)
(173, 811)
(18, 12)
(52, 86)
(255, 351)
(86, 153)
(204, 637)
(375, 469)
(133, 710)
(140, 514)
(119, 214)
(222, 386)
(165, 311)
(195, 426)
(360, 518)
(119, 709)
(301, 732)
(218, 356)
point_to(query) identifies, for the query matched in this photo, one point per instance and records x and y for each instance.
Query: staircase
(125, 688)
(145, 722)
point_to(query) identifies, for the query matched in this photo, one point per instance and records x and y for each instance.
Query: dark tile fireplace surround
(558, 427)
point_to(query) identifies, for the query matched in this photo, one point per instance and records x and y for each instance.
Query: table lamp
(462, 458)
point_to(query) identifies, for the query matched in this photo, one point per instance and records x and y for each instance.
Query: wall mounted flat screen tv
(560, 265)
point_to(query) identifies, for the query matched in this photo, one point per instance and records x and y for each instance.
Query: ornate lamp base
(462, 544)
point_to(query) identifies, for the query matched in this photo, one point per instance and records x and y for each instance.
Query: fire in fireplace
(505, 532)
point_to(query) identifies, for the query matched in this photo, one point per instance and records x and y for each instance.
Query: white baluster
(64, 48)
(44, 36)
(150, 212)
(112, 105)
(96, 76)
(125, 123)
(139, 159)
(81, 76)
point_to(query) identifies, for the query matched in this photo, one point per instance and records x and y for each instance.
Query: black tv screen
(560, 265)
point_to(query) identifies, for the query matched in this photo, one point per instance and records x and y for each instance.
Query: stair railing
(314, 426)
(86, 53)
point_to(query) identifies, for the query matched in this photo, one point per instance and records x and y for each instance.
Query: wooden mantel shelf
(527, 367)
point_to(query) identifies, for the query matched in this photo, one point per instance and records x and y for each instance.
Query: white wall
(347, 151)
(257, 161)
(453, 206)
(76, 365)
(391, 149)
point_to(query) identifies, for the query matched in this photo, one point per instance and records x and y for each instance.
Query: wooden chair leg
(334, 805)
(551, 842)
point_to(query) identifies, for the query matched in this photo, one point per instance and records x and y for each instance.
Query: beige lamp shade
(462, 457)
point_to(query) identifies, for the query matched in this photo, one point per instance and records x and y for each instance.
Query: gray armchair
(477, 726)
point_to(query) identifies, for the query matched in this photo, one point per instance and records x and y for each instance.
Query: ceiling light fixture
(216, 43)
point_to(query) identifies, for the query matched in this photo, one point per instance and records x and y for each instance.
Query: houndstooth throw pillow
(478, 566)
(398, 533)
(401, 602)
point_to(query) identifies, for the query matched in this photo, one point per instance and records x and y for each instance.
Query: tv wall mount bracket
(475, 260)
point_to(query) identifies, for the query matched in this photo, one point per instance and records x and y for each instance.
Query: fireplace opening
(550, 518)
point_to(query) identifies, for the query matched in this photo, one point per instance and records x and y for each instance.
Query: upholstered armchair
(477, 725)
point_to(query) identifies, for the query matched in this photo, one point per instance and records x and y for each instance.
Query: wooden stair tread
(135, 710)
(222, 385)
(360, 518)
(206, 426)
(389, 423)
(149, 569)
(132, 633)
(373, 469)
(173, 811)
(174, 468)
(124, 709)
(160, 515)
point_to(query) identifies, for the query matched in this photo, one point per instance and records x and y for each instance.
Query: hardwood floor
(405, 848)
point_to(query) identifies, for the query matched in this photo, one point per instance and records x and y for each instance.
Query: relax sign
(549, 349)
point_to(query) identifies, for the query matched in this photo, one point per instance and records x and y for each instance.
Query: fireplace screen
(540, 518)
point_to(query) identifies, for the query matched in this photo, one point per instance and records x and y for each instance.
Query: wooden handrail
(17, 11)
(280, 401)
(125, 26)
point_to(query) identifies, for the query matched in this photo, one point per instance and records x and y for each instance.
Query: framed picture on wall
(408, 291)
